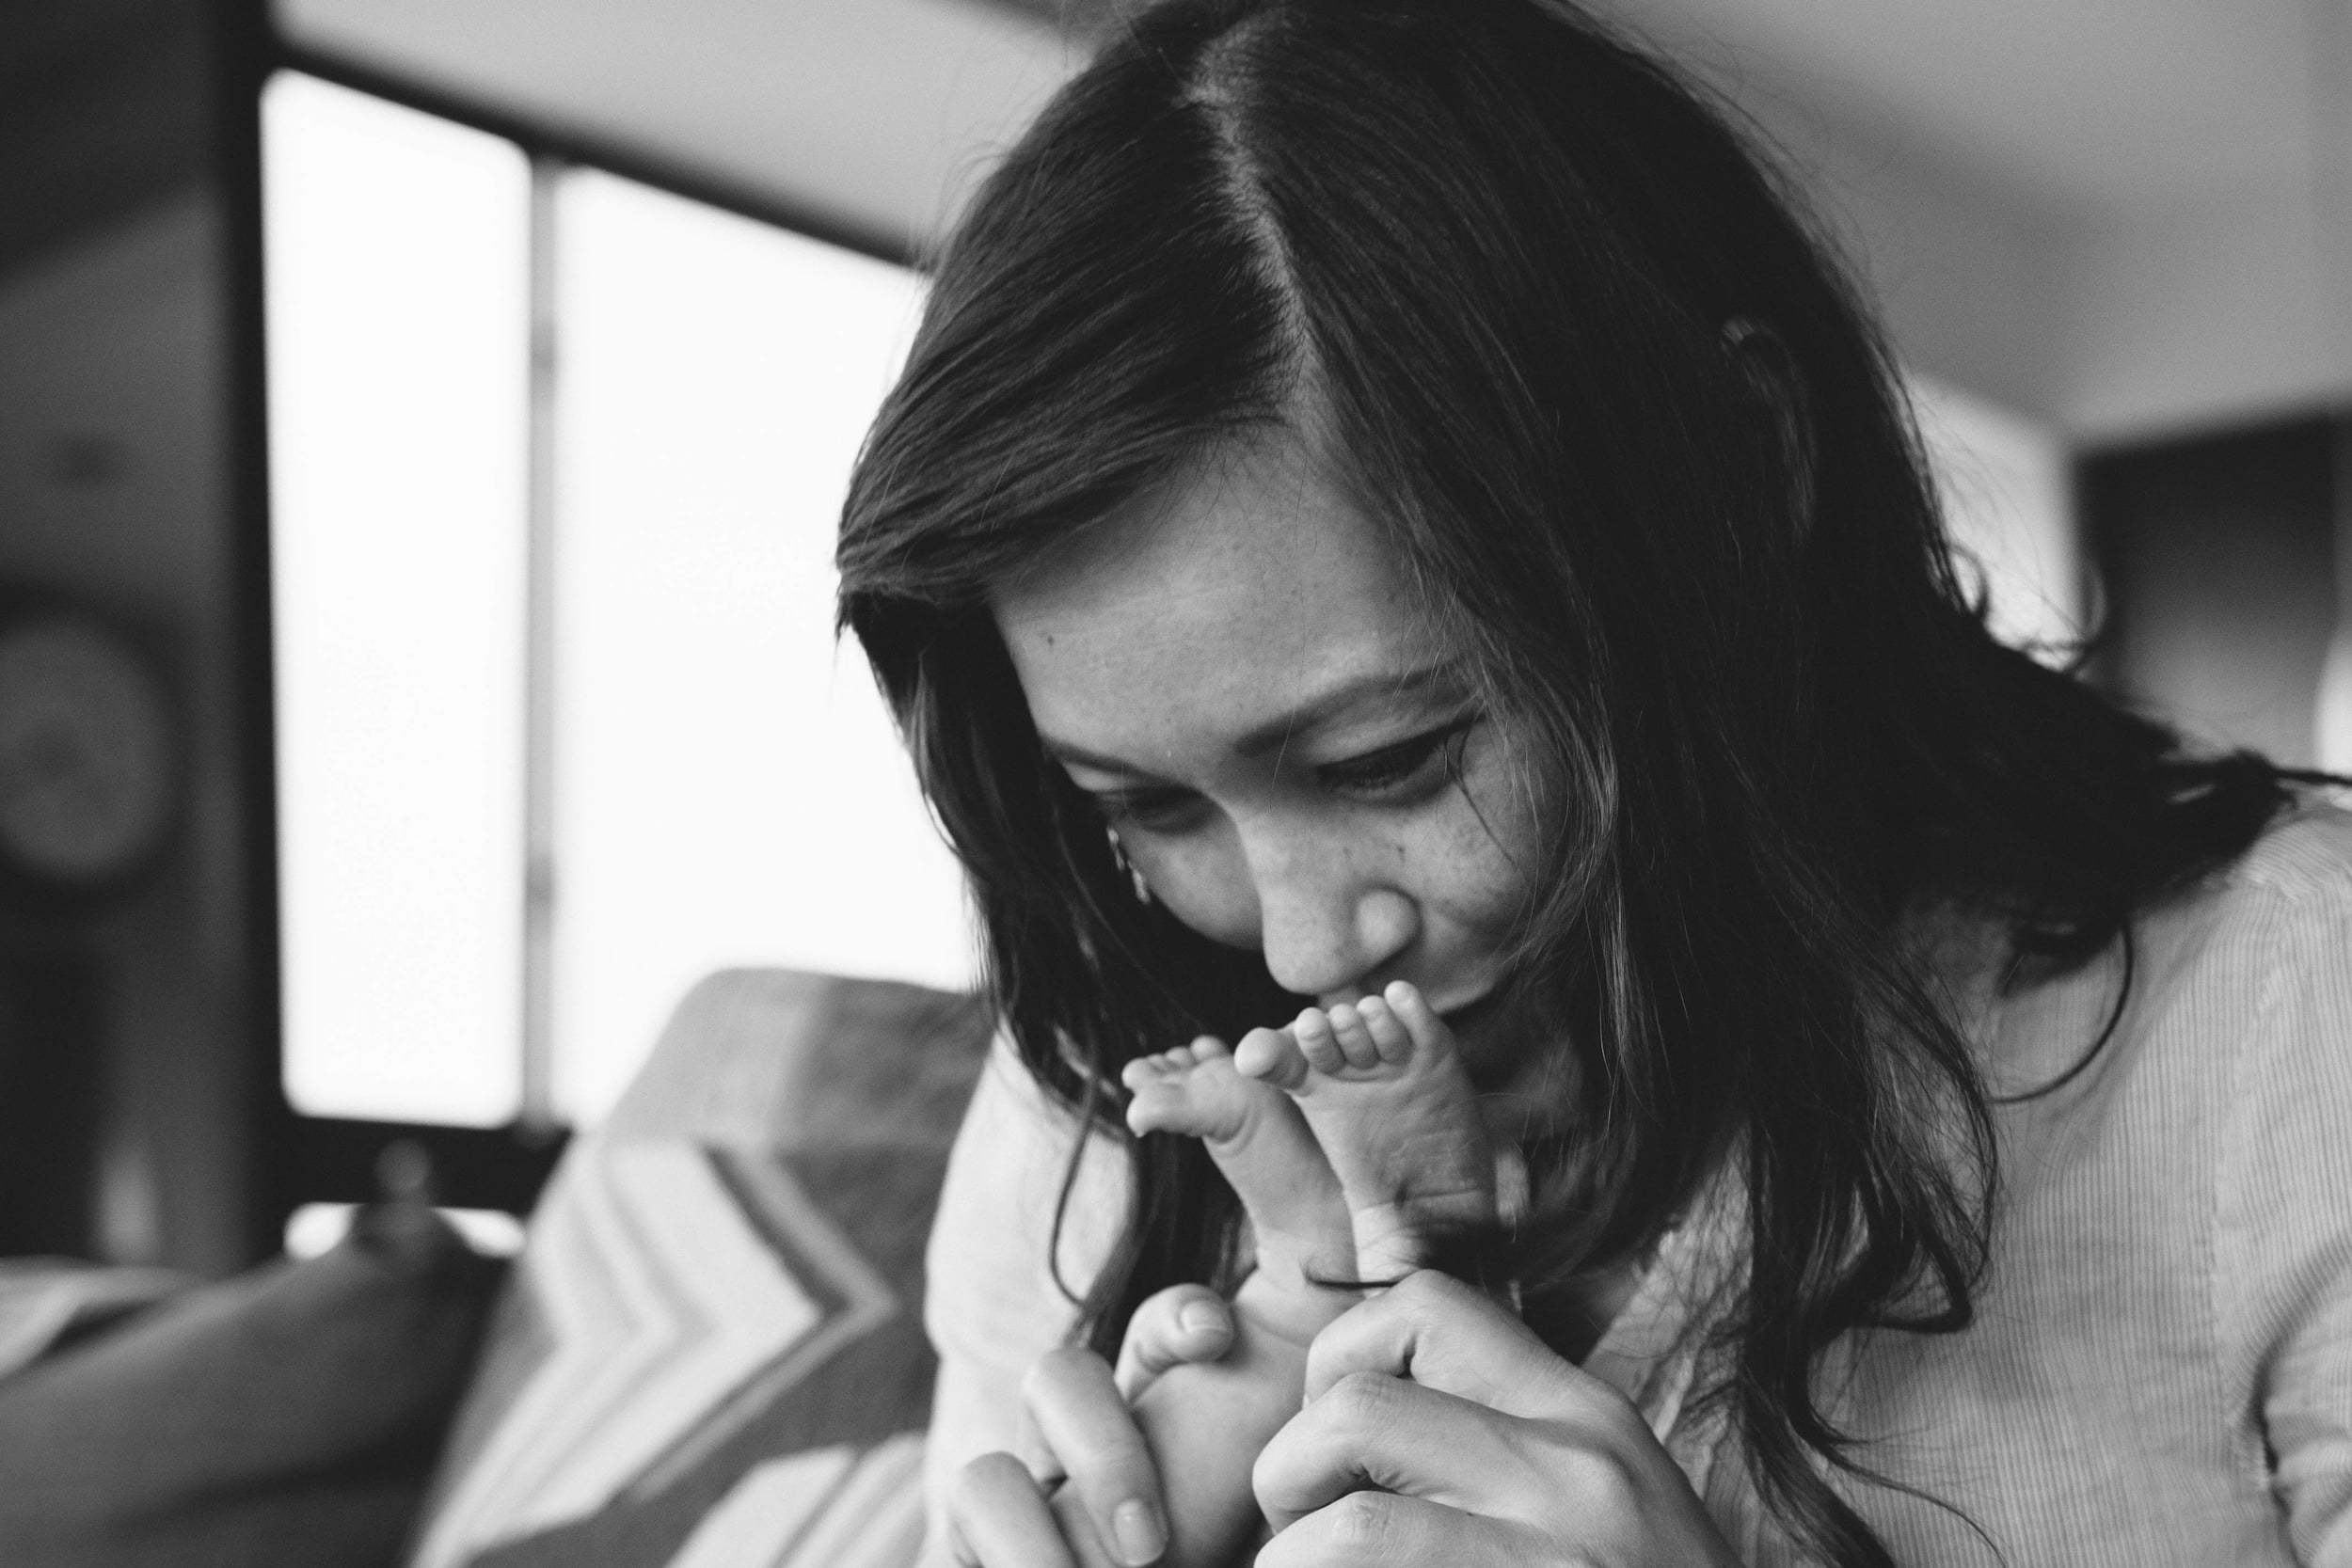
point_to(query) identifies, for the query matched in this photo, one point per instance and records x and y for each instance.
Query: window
(398, 267)
(2004, 481)
(728, 785)
(562, 725)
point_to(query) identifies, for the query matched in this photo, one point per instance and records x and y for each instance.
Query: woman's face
(1236, 672)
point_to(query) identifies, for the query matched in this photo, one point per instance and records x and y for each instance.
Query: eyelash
(1374, 773)
(1394, 765)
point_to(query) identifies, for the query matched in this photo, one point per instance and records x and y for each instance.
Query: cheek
(1472, 869)
(1205, 881)
(1480, 856)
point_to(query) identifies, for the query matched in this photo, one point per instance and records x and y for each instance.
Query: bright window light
(2331, 725)
(728, 788)
(396, 266)
(2007, 501)
(317, 1227)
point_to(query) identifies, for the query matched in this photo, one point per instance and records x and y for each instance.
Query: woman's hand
(1085, 1491)
(1439, 1432)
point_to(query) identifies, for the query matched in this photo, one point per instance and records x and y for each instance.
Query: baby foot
(1385, 1092)
(1223, 1412)
(1297, 1214)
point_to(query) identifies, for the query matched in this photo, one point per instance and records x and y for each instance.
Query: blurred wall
(114, 501)
(2219, 557)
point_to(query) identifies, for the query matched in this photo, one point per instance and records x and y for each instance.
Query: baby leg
(1385, 1092)
(1297, 1214)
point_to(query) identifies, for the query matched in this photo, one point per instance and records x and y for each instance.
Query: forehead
(1233, 597)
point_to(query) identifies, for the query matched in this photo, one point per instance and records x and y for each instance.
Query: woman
(1401, 467)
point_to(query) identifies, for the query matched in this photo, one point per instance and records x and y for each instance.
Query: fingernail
(1140, 1538)
(1200, 1318)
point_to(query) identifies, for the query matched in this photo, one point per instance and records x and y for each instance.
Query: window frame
(296, 1158)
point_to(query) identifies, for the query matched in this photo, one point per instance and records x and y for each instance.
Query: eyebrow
(1280, 731)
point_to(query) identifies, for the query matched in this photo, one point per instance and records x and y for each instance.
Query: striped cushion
(712, 1355)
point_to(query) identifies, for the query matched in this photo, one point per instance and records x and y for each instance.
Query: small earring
(1134, 878)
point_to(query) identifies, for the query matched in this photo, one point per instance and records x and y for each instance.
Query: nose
(1325, 924)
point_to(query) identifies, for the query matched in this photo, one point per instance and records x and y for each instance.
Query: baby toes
(1158, 1105)
(1318, 1042)
(1354, 1039)
(1206, 1049)
(1388, 1035)
(1429, 1032)
(1271, 1055)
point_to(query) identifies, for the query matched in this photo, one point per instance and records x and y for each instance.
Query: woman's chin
(1491, 1033)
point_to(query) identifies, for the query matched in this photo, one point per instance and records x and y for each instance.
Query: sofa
(709, 1354)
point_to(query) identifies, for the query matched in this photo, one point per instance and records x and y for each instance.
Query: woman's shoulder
(2253, 961)
(2303, 860)
(2280, 1195)
(2282, 953)
(2270, 932)
(2230, 1014)
(2283, 900)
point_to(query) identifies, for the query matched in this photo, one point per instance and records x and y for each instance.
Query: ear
(1773, 378)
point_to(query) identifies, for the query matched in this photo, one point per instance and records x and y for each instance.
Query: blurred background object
(442, 407)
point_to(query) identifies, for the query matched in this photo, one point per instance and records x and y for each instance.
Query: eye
(1151, 811)
(1407, 769)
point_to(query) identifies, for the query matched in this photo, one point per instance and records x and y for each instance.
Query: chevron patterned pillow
(712, 1355)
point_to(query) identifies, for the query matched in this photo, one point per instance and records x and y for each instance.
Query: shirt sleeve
(991, 1302)
(2284, 1244)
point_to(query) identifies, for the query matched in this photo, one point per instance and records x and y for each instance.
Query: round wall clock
(87, 780)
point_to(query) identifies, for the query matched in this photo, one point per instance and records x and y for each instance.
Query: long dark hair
(1648, 462)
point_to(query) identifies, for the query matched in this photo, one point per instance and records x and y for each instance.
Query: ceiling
(874, 115)
(2116, 216)
(2114, 105)
(103, 114)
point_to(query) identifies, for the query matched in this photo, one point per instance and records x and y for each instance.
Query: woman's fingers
(1182, 1325)
(1386, 1434)
(1378, 1529)
(1000, 1519)
(1496, 1449)
(1075, 1414)
(1443, 1398)
(1087, 1482)
(1450, 1337)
